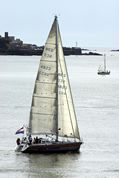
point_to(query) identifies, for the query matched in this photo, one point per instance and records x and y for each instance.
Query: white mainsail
(52, 110)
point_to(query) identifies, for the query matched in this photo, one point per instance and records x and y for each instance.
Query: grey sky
(92, 23)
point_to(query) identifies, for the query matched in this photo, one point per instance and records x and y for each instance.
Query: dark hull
(53, 148)
(104, 73)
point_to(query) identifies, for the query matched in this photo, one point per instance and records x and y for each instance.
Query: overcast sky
(90, 23)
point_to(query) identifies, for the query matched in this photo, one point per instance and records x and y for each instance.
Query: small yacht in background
(102, 69)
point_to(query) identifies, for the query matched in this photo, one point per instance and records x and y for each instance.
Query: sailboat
(52, 123)
(103, 71)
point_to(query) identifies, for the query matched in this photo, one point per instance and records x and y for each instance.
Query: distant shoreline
(9, 45)
(29, 52)
(115, 50)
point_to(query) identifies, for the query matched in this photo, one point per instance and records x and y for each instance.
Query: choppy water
(97, 106)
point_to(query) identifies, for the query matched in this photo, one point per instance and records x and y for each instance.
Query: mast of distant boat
(105, 62)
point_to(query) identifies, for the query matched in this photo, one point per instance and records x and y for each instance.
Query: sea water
(96, 100)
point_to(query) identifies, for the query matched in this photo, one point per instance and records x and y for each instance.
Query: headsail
(52, 110)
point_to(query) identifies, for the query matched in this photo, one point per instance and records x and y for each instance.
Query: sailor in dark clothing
(18, 141)
(36, 139)
(30, 139)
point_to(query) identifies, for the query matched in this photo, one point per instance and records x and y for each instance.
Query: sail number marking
(46, 67)
(47, 55)
(43, 73)
(62, 87)
(49, 49)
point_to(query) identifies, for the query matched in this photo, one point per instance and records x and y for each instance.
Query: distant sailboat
(103, 71)
(52, 125)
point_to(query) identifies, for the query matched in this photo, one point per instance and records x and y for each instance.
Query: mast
(56, 78)
(104, 62)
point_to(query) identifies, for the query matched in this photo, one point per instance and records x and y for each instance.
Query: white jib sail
(43, 116)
